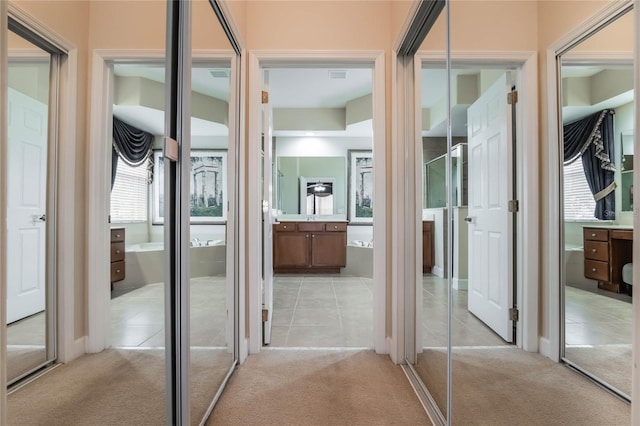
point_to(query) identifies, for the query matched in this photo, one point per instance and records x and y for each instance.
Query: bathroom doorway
(321, 222)
(320, 190)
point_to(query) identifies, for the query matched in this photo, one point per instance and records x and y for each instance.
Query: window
(578, 200)
(129, 196)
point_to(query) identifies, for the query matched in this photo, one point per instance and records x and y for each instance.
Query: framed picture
(208, 189)
(360, 186)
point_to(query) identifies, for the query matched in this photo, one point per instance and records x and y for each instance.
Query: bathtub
(144, 262)
(359, 259)
(574, 267)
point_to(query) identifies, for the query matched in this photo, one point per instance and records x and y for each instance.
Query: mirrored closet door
(596, 110)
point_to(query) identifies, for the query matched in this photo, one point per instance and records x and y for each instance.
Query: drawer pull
(307, 235)
(335, 226)
(593, 269)
(593, 250)
(593, 235)
(117, 271)
(313, 236)
(117, 251)
(284, 227)
(117, 235)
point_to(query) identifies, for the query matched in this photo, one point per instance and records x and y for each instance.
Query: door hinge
(514, 314)
(512, 97)
(265, 97)
(514, 206)
(265, 315)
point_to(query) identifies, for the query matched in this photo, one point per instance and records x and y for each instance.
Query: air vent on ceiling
(219, 73)
(337, 74)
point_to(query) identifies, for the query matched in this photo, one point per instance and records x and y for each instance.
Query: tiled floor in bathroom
(322, 311)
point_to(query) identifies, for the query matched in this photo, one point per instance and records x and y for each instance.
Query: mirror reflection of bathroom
(473, 332)
(322, 203)
(598, 127)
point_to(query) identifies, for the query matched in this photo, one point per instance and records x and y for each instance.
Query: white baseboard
(73, 350)
(438, 271)
(460, 283)
(545, 347)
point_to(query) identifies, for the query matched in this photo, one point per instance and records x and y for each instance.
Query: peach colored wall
(128, 24)
(320, 24)
(58, 15)
(474, 26)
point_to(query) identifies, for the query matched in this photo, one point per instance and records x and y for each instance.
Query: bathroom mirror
(598, 229)
(298, 177)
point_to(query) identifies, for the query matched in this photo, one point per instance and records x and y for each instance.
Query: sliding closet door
(211, 189)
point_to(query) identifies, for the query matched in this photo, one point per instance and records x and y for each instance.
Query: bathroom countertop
(302, 218)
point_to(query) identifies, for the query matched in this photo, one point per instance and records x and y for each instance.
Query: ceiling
(288, 88)
(318, 88)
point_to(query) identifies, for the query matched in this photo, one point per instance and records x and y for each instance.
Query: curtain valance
(591, 139)
(132, 145)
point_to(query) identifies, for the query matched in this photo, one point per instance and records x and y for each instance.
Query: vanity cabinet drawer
(117, 255)
(596, 270)
(596, 250)
(117, 235)
(595, 234)
(285, 227)
(336, 227)
(117, 271)
(310, 227)
(117, 251)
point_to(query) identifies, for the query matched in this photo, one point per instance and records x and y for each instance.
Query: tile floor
(137, 316)
(322, 311)
(467, 329)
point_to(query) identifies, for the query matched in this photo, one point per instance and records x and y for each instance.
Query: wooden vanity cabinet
(315, 247)
(606, 251)
(117, 255)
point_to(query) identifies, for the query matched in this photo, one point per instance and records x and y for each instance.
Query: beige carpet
(293, 387)
(114, 387)
(611, 363)
(507, 386)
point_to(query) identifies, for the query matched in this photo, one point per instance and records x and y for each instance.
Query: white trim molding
(635, 372)
(259, 60)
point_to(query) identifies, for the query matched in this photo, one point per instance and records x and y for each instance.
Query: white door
(267, 216)
(490, 225)
(26, 206)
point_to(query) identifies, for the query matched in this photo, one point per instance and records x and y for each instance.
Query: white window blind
(129, 196)
(578, 200)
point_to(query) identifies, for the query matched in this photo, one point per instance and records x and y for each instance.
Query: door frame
(98, 239)
(527, 222)
(259, 60)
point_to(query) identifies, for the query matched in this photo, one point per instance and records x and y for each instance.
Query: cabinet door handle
(313, 236)
(117, 251)
(335, 226)
(307, 235)
(117, 271)
(593, 250)
(284, 227)
(593, 269)
(593, 235)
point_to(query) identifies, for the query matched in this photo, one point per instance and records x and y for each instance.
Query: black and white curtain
(132, 145)
(591, 139)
